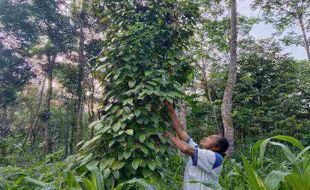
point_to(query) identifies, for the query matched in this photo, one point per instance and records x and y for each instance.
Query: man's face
(207, 142)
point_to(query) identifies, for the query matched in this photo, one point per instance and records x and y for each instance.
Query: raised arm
(176, 123)
(181, 145)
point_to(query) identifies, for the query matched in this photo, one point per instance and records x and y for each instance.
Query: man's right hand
(169, 105)
(175, 122)
(168, 134)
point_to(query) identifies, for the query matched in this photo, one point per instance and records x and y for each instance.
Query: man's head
(215, 143)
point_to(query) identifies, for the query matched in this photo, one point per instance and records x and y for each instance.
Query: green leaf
(155, 118)
(151, 164)
(127, 110)
(137, 112)
(144, 149)
(103, 164)
(88, 184)
(158, 163)
(70, 179)
(128, 101)
(255, 149)
(129, 132)
(262, 151)
(104, 129)
(93, 140)
(119, 112)
(116, 126)
(303, 152)
(289, 155)
(291, 140)
(117, 165)
(111, 143)
(91, 125)
(148, 73)
(150, 145)
(34, 181)
(146, 173)
(127, 154)
(86, 159)
(274, 178)
(116, 174)
(106, 172)
(91, 165)
(173, 63)
(253, 180)
(142, 138)
(135, 164)
(106, 108)
(131, 83)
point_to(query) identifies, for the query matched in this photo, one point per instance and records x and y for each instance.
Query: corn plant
(296, 175)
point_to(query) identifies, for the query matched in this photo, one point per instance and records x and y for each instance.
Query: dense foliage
(142, 64)
(14, 75)
(273, 95)
(109, 64)
(258, 171)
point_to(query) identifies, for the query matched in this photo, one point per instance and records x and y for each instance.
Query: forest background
(82, 85)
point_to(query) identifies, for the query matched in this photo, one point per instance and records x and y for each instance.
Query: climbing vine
(142, 63)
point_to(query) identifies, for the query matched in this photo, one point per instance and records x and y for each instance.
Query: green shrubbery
(261, 169)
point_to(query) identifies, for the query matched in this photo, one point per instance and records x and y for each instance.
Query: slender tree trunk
(80, 90)
(304, 34)
(35, 117)
(3, 151)
(47, 112)
(3, 127)
(8, 117)
(72, 130)
(226, 107)
(35, 132)
(67, 127)
(91, 104)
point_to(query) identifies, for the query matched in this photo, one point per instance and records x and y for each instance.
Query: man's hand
(175, 122)
(168, 134)
(169, 105)
(181, 145)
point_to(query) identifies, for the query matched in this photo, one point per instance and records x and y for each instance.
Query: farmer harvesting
(205, 162)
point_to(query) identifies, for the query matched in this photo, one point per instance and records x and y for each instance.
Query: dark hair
(221, 143)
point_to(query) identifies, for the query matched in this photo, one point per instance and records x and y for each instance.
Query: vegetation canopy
(142, 63)
(113, 94)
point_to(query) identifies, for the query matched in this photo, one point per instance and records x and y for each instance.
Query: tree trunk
(3, 127)
(226, 107)
(35, 117)
(35, 132)
(67, 127)
(306, 42)
(80, 91)
(46, 116)
(91, 104)
(72, 127)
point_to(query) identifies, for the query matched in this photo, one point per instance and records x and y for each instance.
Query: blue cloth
(195, 156)
(218, 160)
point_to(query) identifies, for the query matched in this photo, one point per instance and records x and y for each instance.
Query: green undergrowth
(277, 163)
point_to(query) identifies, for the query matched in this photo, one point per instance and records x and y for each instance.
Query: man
(205, 162)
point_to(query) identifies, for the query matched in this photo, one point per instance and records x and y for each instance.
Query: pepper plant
(143, 62)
